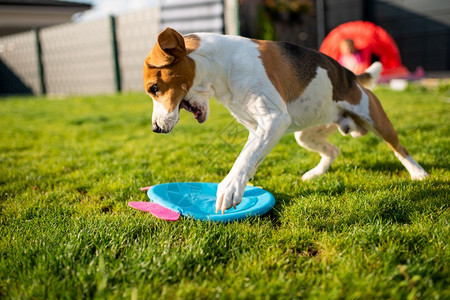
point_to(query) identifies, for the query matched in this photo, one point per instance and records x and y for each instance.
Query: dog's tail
(369, 78)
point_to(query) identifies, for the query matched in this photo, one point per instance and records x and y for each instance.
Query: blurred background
(98, 47)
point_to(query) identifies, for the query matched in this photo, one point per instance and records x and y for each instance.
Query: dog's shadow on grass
(396, 167)
(399, 206)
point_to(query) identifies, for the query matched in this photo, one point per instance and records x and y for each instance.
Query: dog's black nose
(156, 128)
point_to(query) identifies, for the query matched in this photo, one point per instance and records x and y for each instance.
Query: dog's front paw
(229, 194)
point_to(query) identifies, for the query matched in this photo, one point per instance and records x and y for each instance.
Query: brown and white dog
(271, 88)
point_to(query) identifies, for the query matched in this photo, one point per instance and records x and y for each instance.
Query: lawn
(69, 166)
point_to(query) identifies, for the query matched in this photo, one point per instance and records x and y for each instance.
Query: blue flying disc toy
(197, 200)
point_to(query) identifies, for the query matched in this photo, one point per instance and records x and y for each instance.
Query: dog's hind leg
(315, 139)
(383, 127)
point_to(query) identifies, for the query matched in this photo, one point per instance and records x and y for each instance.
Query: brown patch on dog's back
(289, 79)
(291, 68)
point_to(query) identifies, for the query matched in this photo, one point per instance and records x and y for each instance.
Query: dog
(271, 88)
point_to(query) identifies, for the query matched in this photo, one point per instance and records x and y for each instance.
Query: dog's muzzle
(158, 129)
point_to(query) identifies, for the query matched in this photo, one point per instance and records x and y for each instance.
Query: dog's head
(168, 76)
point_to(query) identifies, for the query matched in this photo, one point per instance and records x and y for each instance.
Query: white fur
(361, 109)
(315, 105)
(315, 139)
(416, 171)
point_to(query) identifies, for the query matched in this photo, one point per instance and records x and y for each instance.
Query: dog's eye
(153, 89)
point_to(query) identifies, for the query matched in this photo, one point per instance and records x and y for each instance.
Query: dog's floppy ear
(170, 46)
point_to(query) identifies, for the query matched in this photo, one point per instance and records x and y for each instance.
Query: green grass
(364, 230)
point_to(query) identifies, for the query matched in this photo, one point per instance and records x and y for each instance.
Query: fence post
(41, 73)
(320, 16)
(115, 54)
(231, 17)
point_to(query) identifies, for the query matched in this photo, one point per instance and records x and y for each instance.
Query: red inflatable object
(368, 39)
